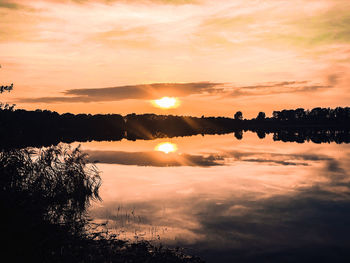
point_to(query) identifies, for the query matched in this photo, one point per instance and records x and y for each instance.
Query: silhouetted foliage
(6, 88)
(5, 106)
(261, 116)
(44, 195)
(20, 128)
(315, 115)
(261, 134)
(239, 135)
(238, 115)
(316, 135)
(43, 198)
(45, 128)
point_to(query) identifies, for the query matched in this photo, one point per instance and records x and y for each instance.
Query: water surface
(226, 200)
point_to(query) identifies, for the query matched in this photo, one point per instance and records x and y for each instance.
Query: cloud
(159, 159)
(275, 162)
(9, 5)
(107, 2)
(276, 88)
(310, 222)
(285, 218)
(276, 158)
(333, 79)
(143, 91)
(13, 5)
(156, 90)
(305, 222)
(329, 27)
(148, 90)
(334, 171)
(138, 36)
(323, 25)
(242, 223)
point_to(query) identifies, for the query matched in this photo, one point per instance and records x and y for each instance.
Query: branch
(8, 88)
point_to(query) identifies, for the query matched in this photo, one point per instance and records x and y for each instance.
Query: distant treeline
(20, 128)
(45, 128)
(315, 115)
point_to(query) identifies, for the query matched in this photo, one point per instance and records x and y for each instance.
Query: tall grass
(44, 196)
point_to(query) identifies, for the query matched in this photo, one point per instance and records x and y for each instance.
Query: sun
(166, 147)
(166, 103)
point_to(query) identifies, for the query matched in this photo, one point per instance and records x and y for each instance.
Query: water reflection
(166, 147)
(231, 201)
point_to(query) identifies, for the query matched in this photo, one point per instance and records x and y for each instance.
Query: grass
(44, 197)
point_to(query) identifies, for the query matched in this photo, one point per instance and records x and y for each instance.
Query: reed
(44, 196)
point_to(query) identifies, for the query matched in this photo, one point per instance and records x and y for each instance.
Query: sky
(215, 57)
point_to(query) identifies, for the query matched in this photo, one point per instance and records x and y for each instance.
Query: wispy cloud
(169, 2)
(9, 5)
(277, 88)
(95, 43)
(159, 159)
(329, 27)
(143, 91)
(14, 5)
(156, 90)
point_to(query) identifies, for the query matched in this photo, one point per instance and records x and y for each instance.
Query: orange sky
(217, 57)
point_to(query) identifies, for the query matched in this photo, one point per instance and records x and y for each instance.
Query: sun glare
(166, 103)
(166, 147)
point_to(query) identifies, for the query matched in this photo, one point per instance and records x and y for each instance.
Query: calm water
(226, 199)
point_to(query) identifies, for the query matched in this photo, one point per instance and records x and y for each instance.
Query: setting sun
(166, 147)
(166, 103)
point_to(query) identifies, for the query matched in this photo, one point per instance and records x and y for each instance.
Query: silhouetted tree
(239, 135)
(21, 128)
(261, 134)
(300, 114)
(261, 116)
(315, 115)
(4, 88)
(276, 115)
(5, 106)
(238, 115)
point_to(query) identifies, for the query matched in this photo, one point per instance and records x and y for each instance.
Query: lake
(228, 200)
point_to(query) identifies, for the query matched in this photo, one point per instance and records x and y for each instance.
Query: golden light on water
(166, 147)
(166, 102)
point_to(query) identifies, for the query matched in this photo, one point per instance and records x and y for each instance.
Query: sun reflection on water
(166, 147)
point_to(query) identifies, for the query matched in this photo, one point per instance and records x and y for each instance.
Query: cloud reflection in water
(256, 203)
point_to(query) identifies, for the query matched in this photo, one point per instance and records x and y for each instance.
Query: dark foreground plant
(43, 201)
(44, 196)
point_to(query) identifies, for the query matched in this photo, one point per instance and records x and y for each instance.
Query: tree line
(45, 128)
(316, 114)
